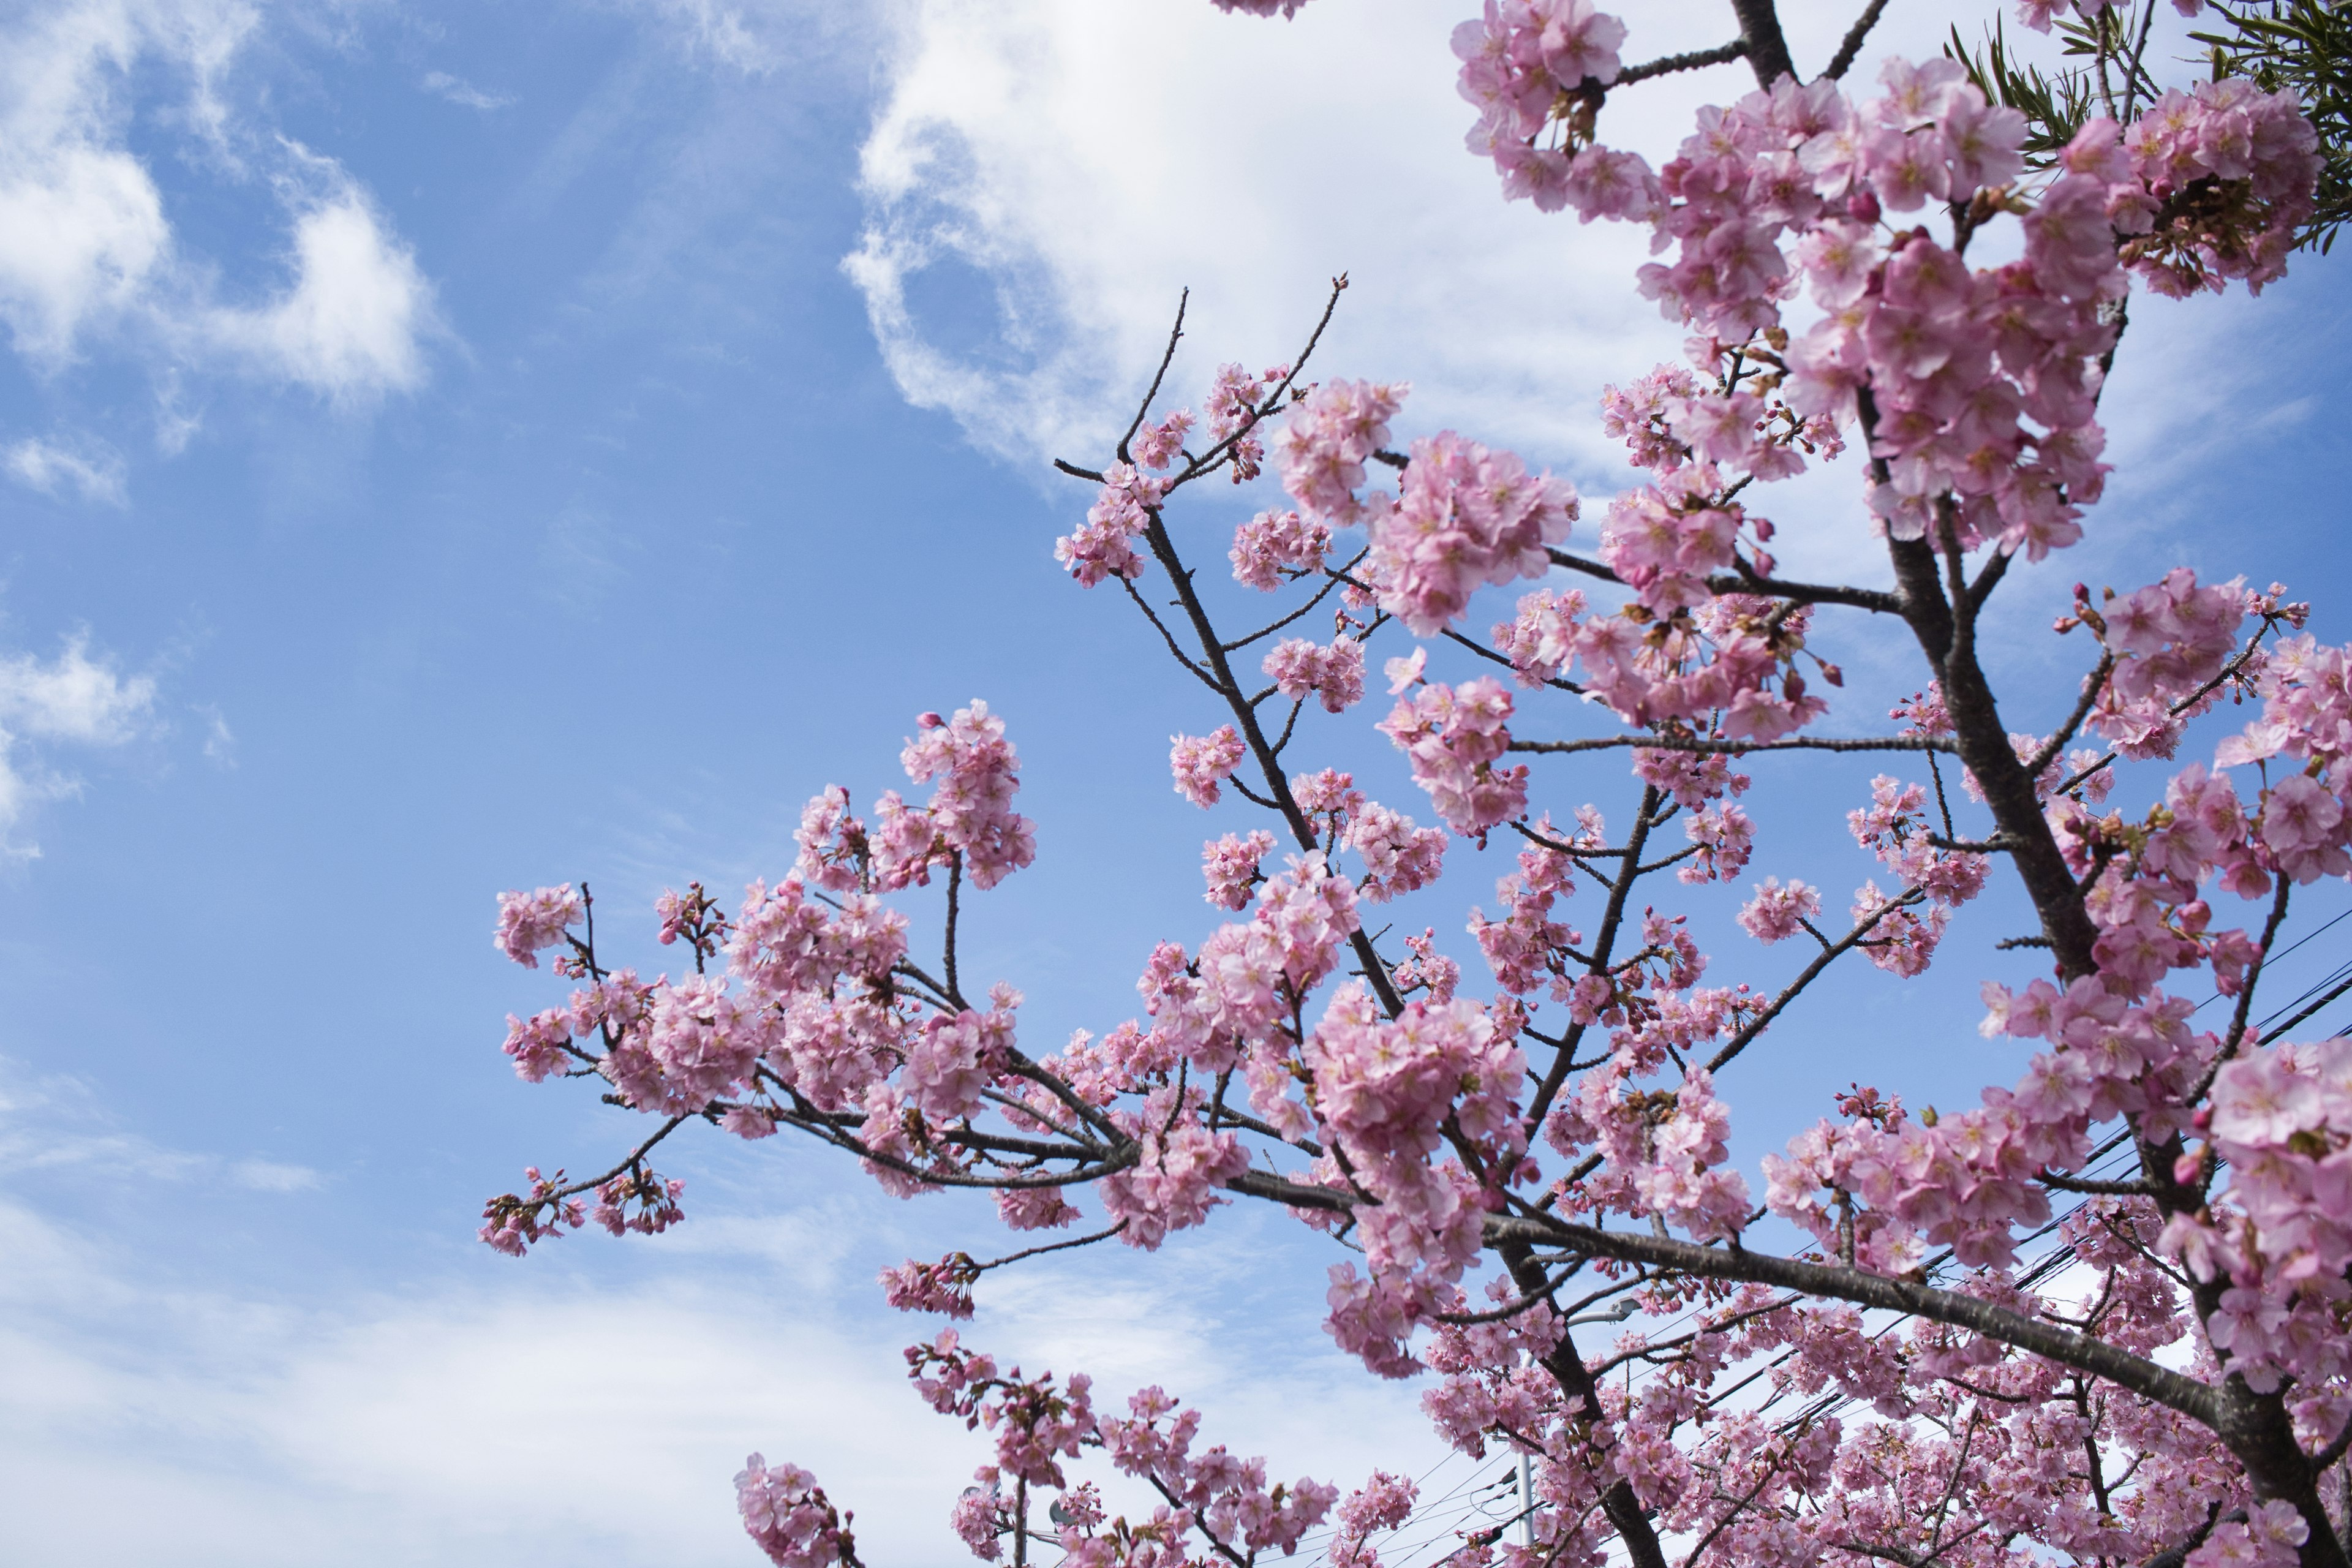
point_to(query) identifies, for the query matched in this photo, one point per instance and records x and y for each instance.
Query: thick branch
(2199, 1402)
(1878, 601)
(1767, 51)
(1843, 59)
(1707, 745)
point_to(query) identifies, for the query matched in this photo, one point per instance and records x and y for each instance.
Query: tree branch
(1668, 65)
(1842, 61)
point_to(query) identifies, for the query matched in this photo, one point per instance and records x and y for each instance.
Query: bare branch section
(1712, 746)
(1878, 601)
(2196, 1400)
(1696, 59)
(1848, 49)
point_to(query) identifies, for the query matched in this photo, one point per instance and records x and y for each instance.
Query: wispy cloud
(72, 700)
(520, 1415)
(220, 740)
(56, 1122)
(458, 90)
(757, 37)
(92, 471)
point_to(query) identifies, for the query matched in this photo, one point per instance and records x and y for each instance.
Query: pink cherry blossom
(528, 922)
(1200, 763)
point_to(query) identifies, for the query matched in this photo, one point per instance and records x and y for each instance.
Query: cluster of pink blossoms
(1547, 618)
(1200, 763)
(1665, 1149)
(2228, 171)
(1036, 1426)
(971, 813)
(1777, 914)
(528, 922)
(1455, 735)
(1399, 856)
(1724, 837)
(1528, 944)
(1274, 543)
(1224, 1010)
(1230, 864)
(1894, 826)
(1329, 437)
(2120, 1046)
(803, 1008)
(2207, 187)
(1180, 1174)
(1157, 446)
(1234, 405)
(1732, 661)
(1382, 1503)
(1466, 516)
(1521, 63)
(2282, 1116)
(1383, 1090)
(1105, 547)
(787, 1515)
(1335, 673)
(2168, 640)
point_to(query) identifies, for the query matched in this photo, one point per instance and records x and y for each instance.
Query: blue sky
(442, 448)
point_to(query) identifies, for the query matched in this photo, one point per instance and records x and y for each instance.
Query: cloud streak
(94, 474)
(463, 93)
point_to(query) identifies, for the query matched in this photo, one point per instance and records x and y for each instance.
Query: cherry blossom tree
(1856, 1362)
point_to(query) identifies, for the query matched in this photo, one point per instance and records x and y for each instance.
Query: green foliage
(2055, 106)
(2305, 45)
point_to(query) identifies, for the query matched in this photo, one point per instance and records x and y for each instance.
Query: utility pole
(1526, 1499)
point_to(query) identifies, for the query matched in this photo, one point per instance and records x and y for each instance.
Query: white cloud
(1066, 168)
(81, 231)
(514, 1416)
(95, 472)
(1043, 178)
(589, 1404)
(459, 91)
(71, 699)
(87, 251)
(756, 37)
(348, 324)
(83, 238)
